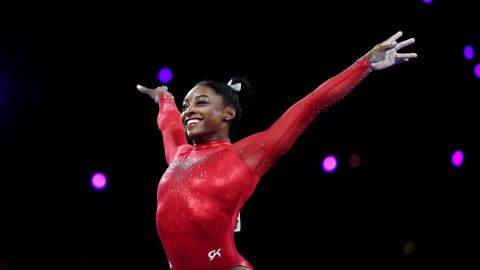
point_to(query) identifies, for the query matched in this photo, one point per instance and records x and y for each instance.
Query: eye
(201, 103)
(184, 107)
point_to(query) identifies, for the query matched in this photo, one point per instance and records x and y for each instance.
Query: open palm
(385, 54)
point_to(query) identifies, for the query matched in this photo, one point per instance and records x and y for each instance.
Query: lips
(192, 122)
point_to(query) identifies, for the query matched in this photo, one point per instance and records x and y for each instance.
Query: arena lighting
(165, 75)
(476, 70)
(99, 181)
(457, 158)
(329, 164)
(409, 248)
(468, 52)
(355, 161)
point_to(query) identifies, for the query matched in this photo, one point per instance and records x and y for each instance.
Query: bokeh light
(408, 248)
(329, 164)
(165, 75)
(468, 52)
(457, 158)
(355, 161)
(477, 70)
(99, 181)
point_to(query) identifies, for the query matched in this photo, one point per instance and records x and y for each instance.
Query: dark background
(69, 108)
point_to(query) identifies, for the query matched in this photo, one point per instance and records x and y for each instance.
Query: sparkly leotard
(206, 185)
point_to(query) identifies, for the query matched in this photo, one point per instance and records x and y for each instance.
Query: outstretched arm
(169, 120)
(261, 150)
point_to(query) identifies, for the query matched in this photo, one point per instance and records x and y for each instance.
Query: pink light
(329, 164)
(457, 158)
(99, 181)
(477, 71)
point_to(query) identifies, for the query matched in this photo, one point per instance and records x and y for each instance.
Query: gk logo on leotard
(214, 253)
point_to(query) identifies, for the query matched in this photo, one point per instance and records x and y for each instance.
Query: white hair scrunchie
(236, 86)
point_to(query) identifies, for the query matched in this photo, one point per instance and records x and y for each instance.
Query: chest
(219, 178)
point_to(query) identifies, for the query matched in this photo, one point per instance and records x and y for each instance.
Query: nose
(189, 111)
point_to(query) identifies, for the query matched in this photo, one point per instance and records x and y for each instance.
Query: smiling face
(204, 115)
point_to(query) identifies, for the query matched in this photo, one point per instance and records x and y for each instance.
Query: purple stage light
(468, 52)
(329, 164)
(99, 181)
(457, 158)
(165, 75)
(477, 70)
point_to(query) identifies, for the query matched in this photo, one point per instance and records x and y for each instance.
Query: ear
(229, 113)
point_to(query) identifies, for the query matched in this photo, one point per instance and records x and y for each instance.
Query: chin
(194, 135)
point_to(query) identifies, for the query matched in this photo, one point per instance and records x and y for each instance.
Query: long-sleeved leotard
(206, 185)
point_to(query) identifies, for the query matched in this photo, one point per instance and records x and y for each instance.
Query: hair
(231, 97)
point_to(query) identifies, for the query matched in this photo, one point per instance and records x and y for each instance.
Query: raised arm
(261, 150)
(169, 120)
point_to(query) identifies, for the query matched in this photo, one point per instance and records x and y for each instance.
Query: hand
(385, 54)
(153, 92)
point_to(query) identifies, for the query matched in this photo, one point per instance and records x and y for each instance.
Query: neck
(204, 140)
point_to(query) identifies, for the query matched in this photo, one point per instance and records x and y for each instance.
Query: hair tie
(237, 86)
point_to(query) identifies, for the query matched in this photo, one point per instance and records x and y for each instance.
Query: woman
(207, 183)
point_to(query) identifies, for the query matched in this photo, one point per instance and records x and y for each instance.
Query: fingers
(141, 88)
(144, 89)
(405, 43)
(394, 37)
(389, 46)
(406, 55)
(399, 61)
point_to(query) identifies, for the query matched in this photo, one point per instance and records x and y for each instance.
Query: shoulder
(184, 149)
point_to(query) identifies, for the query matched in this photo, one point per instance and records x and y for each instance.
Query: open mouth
(192, 122)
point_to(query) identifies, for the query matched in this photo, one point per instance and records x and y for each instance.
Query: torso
(199, 197)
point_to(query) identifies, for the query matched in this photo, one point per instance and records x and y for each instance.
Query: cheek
(217, 116)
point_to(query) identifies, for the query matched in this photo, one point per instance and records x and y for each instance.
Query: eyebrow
(199, 96)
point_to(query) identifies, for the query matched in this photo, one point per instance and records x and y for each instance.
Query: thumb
(141, 88)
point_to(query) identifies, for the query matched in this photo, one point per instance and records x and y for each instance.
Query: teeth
(192, 121)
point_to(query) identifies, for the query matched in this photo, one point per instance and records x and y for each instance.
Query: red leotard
(206, 185)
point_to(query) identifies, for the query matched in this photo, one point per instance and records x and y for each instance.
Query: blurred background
(385, 178)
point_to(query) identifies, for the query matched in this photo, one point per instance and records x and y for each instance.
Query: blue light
(165, 75)
(468, 52)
